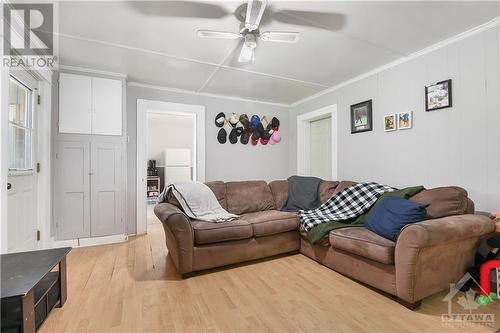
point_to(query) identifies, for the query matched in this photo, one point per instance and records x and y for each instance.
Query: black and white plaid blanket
(349, 203)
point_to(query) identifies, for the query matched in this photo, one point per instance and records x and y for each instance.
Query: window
(20, 126)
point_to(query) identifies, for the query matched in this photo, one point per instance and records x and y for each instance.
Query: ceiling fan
(249, 31)
(252, 15)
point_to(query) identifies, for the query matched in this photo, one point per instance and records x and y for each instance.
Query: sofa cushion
(322, 242)
(392, 214)
(219, 189)
(279, 189)
(342, 186)
(271, 222)
(248, 197)
(327, 189)
(207, 232)
(363, 242)
(443, 201)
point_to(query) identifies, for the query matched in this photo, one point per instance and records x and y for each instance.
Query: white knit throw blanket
(198, 201)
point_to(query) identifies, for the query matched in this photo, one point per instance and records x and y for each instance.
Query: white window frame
(30, 84)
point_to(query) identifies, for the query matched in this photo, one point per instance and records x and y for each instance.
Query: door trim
(303, 138)
(168, 108)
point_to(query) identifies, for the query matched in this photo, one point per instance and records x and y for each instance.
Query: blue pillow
(392, 214)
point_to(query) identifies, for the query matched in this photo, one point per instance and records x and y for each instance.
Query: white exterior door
(321, 148)
(22, 224)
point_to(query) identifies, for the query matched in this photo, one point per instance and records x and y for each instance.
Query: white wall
(454, 146)
(168, 131)
(226, 162)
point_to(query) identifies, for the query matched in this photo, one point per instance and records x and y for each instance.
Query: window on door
(20, 126)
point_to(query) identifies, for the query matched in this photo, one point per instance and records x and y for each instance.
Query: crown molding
(92, 71)
(193, 92)
(483, 27)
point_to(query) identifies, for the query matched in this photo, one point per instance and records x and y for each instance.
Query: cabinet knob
(9, 186)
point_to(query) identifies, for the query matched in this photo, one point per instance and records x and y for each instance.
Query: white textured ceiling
(145, 41)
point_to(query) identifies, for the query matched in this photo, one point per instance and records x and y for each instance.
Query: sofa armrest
(432, 254)
(179, 235)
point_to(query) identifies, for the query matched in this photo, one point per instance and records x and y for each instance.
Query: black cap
(222, 136)
(220, 115)
(233, 136)
(245, 137)
(275, 123)
(260, 129)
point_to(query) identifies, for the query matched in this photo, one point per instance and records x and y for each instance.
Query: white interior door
(106, 189)
(22, 222)
(321, 148)
(72, 190)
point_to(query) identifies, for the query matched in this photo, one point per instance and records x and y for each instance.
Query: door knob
(9, 186)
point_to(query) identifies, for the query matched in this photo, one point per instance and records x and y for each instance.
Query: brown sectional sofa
(425, 259)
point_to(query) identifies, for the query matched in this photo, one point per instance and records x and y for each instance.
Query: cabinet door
(72, 190)
(75, 107)
(107, 106)
(107, 189)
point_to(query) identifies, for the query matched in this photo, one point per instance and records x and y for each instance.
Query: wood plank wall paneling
(454, 146)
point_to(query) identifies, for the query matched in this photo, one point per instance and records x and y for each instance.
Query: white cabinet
(89, 189)
(75, 104)
(106, 106)
(90, 105)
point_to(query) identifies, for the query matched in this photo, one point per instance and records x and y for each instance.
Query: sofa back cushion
(444, 201)
(342, 186)
(327, 189)
(219, 189)
(279, 189)
(248, 197)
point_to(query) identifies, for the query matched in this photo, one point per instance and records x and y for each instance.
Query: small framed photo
(438, 96)
(361, 117)
(390, 123)
(405, 120)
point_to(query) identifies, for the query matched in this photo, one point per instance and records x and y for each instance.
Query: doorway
(22, 225)
(170, 147)
(171, 142)
(317, 143)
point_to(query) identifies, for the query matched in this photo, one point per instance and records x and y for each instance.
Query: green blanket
(316, 233)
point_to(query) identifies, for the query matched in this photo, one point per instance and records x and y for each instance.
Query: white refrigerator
(178, 165)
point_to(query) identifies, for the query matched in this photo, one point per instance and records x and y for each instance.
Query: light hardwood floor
(133, 287)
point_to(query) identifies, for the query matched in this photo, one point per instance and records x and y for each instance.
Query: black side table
(30, 288)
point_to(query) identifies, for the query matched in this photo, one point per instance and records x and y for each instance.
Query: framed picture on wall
(405, 120)
(361, 117)
(390, 123)
(438, 96)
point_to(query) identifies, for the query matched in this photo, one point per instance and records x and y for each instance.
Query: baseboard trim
(91, 241)
(102, 240)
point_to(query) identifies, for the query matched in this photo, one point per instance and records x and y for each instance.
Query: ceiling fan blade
(328, 21)
(218, 34)
(246, 54)
(255, 10)
(280, 36)
(179, 9)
